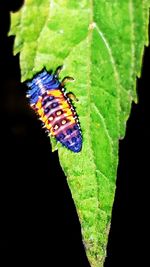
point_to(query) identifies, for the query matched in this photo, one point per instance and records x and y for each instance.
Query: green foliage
(101, 44)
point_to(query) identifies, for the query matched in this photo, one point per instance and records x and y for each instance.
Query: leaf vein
(116, 73)
(105, 128)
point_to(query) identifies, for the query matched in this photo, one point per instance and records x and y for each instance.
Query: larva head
(40, 84)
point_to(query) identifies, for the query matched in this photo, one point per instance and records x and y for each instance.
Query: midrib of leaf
(116, 76)
(112, 61)
(89, 40)
(102, 119)
(98, 173)
(89, 69)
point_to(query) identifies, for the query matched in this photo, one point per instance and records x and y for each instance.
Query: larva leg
(57, 71)
(66, 79)
(72, 96)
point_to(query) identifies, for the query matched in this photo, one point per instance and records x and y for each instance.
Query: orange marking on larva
(64, 105)
(48, 125)
(55, 93)
(44, 118)
(68, 112)
(39, 104)
(41, 112)
(71, 118)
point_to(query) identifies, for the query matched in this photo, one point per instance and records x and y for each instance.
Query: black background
(37, 212)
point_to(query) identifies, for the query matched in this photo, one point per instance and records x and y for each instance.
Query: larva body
(47, 96)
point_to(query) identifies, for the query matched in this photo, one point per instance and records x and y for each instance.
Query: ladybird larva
(48, 97)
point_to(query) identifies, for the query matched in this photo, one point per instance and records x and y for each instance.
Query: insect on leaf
(101, 45)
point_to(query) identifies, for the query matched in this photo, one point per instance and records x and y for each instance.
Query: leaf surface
(101, 45)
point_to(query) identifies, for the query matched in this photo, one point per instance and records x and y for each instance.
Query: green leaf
(101, 44)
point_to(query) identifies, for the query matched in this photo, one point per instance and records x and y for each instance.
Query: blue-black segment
(46, 110)
(44, 102)
(67, 143)
(74, 144)
(75, 127)
(69, 131)
(48, 82)
(55, 104)
(74, 139)
(60, 136)
(50, 98)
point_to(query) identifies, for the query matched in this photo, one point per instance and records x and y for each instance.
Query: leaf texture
(101, 45)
